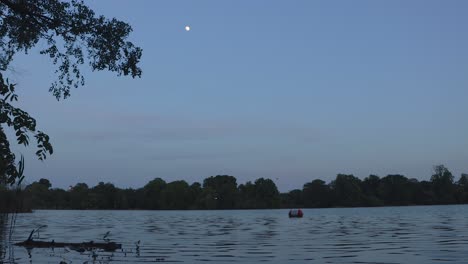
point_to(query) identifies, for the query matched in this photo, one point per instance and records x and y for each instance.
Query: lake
(419, 234)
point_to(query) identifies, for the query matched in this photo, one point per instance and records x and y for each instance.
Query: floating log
(84, 246)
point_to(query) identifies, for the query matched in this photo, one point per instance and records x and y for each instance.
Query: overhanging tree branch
(74, 35)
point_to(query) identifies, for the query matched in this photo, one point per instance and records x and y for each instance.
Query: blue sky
(289, 90)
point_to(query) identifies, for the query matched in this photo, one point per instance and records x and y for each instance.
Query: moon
(187, 28)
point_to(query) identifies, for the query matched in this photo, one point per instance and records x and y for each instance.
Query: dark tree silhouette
(222, 192)
(370, 187)
(442, 181)
(266, 194)
(316, 194)
(462, 191)
(246, 197)
(292, 199)
(463, 181)
(152, 193)
(395, 190)
(73, 35)
(347, 190)
(8, 171)
(176, 195)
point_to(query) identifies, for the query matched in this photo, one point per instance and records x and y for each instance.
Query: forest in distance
(223, 192)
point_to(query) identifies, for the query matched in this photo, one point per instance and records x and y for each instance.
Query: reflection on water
(359, 235)
(3, 236)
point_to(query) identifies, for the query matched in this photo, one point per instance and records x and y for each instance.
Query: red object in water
(295, 213)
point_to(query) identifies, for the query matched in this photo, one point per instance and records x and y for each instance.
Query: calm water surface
(432, 234)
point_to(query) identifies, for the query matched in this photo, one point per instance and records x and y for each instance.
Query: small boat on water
(295, 213)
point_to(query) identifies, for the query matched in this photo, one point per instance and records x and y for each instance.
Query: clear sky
(289, 90)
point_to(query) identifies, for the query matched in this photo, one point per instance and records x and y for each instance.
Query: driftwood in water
(84, 246)
(81, 247)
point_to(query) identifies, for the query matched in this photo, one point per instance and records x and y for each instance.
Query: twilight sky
(289, 90)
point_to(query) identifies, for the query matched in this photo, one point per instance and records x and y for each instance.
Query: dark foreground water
(433, 234)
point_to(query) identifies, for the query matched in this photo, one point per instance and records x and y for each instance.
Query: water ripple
(360, 235)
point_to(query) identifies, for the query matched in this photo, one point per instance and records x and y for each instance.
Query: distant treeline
(223, 192)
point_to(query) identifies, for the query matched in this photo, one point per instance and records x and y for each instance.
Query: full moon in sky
(187, 28)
